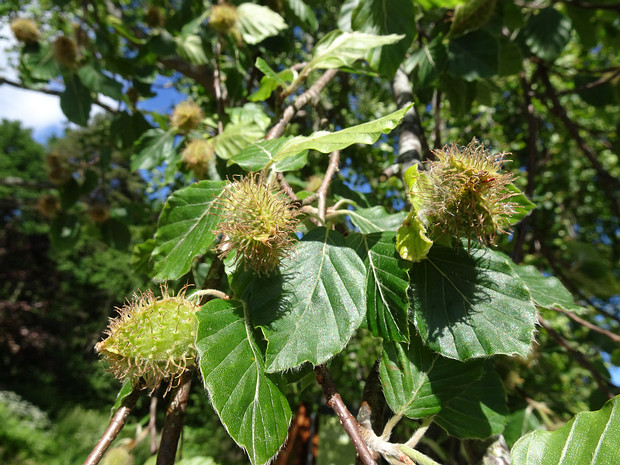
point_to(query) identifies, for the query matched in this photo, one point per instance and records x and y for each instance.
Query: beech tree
(439, 179)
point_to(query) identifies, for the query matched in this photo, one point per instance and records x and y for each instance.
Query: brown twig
(152, 425)
(308, 96)
(590, 85)
(587, 324)
(578, 357)
(332, 168)
(116, 425)
(286, 187)
(437, 111)
(347, 420)
(171, 432)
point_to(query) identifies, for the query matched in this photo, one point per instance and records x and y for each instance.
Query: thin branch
(152, 424)
(590, 85)
(587, 324)
(312, 94)
(347, 420)
(332, 168)
(578, 357)
(116, 425)
(171, 432)
(286, 187)
(437, 111)
(609, 184)
(56, 93)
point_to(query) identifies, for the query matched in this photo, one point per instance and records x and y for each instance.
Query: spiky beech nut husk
(258, 221)
(25, 30)
(223, 18)
(57, 168)
(65, 51)
(186, 116)
(154, 17)
(98, 212)
(152, 340)
(48, 205)
(197, 155)
(468, 194)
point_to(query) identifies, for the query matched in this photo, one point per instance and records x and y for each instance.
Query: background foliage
(540, 81)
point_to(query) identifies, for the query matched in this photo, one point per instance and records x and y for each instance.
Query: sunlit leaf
(376, 219)
(257, 22)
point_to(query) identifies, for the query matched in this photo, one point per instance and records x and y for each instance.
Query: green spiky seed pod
(65, 51)
(257, 220)
(152, 340)
(223, 18)
(197, 155)
(48, 205)
(468, 194)
(154, 17)
(186, 116)
(471, 15)
(25, 30)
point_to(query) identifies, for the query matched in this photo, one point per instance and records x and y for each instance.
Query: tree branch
(312, 94)
(587, 324)
(332, 168)
(171, 432)
(347, 420)
(114, 427)
(609, 183)
(56, 93)
(578, 357)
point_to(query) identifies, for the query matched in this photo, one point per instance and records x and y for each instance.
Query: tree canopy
(431, 186)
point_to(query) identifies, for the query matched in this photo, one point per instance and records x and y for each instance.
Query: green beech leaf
(185, 228)
(192, 48)
(376, 219)
(471, 303)
(249, 402)
(338, 49)
(270, 81)
(478, 411)
(523, 205)
(589, 438)
(519, 423)
(64, 231)
(116, 234)
(473, 56)
(257, 156)
(547, 33)
(75, 101)
(546, 292)
(386, 285)
(153, 147)
(37, 63)
(236, 137)
(257, 22)
(93, 78)
(412, 242)
(375, 17)
(304, 13)
(124, 392)
(418, 382)
(310, 311)
(327, 142)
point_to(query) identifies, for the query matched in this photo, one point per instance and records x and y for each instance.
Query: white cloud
(38, 111)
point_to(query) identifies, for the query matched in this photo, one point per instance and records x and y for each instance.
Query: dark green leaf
(185, 228)
(75, 100)
(93, 78)
(385, 17)
(546, 292)
(310, 311)
(522, 205)
(471, 303)
(64, 231)
(125, 391)
(418, 382)
(386, 285)
(479, 410)
(587, 439)
(510, 59)
(473, 56)
(304, 13)
(236, 137)
(376, 219)
(250, 403)
(547, 33)
(519, 423)
(153, 147)
(116, 234)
